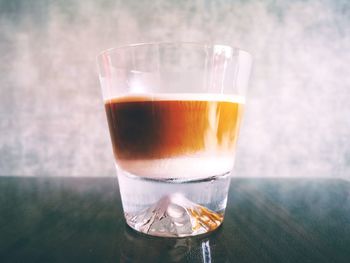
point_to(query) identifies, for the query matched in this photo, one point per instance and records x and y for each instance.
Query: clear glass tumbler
(174, 111)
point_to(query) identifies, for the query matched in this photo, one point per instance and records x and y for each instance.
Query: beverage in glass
(174, 112)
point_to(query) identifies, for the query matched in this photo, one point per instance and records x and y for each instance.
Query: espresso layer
(144, 128)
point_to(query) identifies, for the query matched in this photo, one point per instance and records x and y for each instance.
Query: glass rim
(187, 43)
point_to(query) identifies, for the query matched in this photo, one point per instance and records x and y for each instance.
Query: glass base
(173, 207)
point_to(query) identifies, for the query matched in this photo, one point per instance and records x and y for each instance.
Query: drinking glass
(174, 111)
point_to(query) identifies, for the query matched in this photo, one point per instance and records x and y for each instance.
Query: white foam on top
(178, 96)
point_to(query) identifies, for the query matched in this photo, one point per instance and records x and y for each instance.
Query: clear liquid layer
(173, 208)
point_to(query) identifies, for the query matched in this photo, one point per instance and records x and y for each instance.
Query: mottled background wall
(297, 121)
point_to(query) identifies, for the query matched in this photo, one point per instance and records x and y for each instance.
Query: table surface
(81, 220)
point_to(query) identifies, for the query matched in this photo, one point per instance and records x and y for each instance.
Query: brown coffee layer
(148, 128)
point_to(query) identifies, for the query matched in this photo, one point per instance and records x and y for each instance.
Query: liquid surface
(167, 136)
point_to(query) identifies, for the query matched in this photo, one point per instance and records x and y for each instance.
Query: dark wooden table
(81, 220)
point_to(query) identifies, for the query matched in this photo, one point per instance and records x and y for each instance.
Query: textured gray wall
(297, 121)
